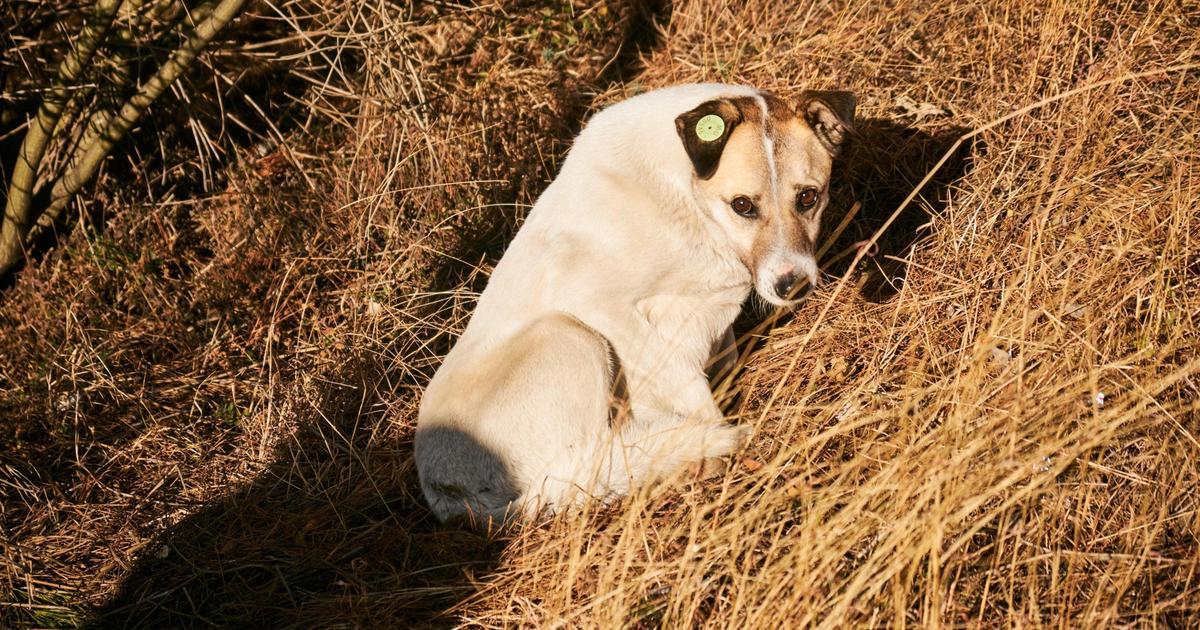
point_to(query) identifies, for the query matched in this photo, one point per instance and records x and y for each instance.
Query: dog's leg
(662, 436)
(654, 446)
(539, 433)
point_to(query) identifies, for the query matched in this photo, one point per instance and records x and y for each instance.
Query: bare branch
(18, 210)
(89, 158)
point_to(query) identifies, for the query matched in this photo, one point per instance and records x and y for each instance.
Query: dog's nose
(787, 283)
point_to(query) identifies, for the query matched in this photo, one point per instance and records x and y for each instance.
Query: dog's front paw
(724, 439)
(709, 468)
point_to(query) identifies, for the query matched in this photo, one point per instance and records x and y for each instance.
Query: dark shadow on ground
(882, 165)
(336, 529)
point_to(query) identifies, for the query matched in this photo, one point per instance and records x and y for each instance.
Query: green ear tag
(710, 127)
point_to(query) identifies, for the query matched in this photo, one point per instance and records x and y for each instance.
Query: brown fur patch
(706, 154)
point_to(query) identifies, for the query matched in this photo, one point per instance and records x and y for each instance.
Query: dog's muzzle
(792, 287)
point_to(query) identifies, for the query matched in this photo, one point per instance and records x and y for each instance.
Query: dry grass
(207, 406)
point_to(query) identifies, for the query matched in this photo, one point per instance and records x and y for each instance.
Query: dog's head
(762, 170)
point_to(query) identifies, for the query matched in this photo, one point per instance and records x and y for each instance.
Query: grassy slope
(208, 408)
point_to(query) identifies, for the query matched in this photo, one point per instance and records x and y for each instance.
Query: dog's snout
(791, 286)
(785, 283)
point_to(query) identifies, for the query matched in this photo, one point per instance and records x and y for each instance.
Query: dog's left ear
(705, 130)
(830, 113)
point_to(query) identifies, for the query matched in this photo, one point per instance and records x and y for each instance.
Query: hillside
(208, 384)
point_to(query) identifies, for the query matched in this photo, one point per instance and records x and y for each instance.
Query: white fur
(617, 258)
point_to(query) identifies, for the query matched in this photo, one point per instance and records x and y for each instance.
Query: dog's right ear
(830, 114)
(704, 131)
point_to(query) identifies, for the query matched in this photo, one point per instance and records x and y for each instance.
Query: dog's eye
(744, 207)
(807, 198)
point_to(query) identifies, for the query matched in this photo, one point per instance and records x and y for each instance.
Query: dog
(581, 373)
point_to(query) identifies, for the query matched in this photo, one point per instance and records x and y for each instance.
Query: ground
(208, 382)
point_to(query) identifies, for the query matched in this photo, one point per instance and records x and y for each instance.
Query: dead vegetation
(207, 393)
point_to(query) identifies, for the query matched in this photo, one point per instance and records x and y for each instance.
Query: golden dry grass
(992, 422)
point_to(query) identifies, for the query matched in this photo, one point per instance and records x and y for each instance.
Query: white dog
(581, 373)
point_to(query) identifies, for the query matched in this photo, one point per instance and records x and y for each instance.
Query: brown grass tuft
(206, 403)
